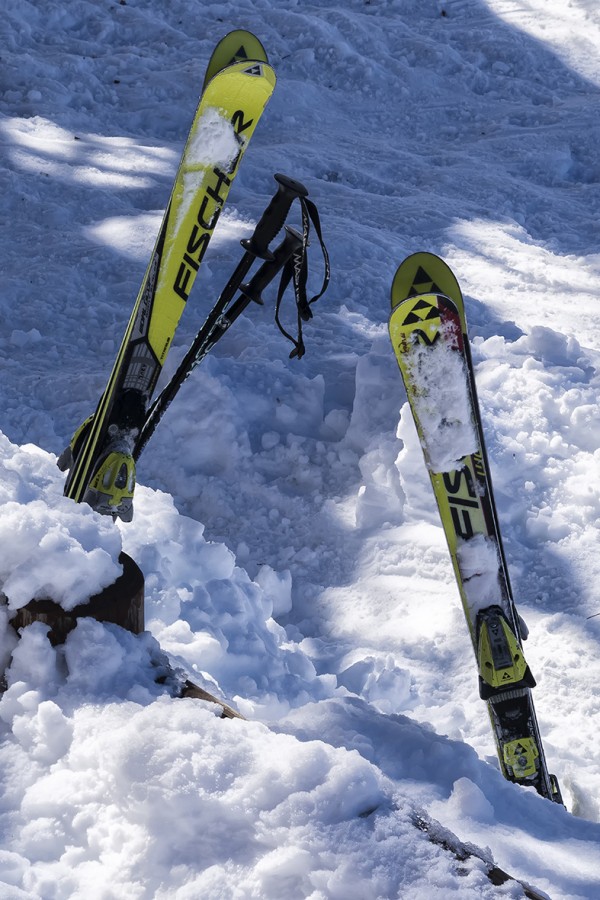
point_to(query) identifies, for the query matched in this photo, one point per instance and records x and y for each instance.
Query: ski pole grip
(269, 269)
(273, 219)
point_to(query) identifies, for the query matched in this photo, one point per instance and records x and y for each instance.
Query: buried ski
(470, 856)
(429, 336)
(99, 458)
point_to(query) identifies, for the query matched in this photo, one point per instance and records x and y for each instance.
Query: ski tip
(424, 273)
(237, 46)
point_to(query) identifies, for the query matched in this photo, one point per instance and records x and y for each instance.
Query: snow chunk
(467, 799)
(209, 613)
(47, 735)
(34, 664)
(479, 564)
(52, 557)
(52, 548)
(277, 587)
(25, 338)
(381, 682)
(442, 405)
(214, 142)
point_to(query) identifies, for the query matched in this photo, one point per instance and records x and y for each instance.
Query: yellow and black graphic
(255, 69)
(237, 46)
(521, 758)
(423, 283)
(240, 55)
(416, 320)
(500, 655)
(463, 503)
(425, 273)
(421, 311)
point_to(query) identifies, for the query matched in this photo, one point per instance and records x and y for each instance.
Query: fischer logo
(209, 209)
(463, 498)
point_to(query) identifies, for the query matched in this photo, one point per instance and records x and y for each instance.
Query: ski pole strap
(296, 270)
(291, 243)
(257, 246)
(310, 214)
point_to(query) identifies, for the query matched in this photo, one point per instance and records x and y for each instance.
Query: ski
(469, 855)
(429, 335)
(100, 458)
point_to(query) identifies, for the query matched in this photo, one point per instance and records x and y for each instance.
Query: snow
(284, 521)
(479, 564)
(442, 403)
(214, 141)
(48, 548)
(211, 143)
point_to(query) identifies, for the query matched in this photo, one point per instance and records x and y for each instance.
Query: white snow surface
(442, 405)
(479, 565)
(284, 520)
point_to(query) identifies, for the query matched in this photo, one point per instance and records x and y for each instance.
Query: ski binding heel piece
(521, 758)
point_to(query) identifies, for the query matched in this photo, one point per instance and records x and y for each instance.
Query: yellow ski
(99, 457)
(429, 335)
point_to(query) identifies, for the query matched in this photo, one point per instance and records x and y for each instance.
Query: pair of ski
(429, 335)
(428, 331)
(238, 84)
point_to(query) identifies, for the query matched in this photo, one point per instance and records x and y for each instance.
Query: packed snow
(442, 405)
(479, 564)
(284, 521)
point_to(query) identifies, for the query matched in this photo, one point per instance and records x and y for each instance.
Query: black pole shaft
(218, 321)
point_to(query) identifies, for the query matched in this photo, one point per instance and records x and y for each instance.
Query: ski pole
(273, 219)
(216, 324)
(269, 225)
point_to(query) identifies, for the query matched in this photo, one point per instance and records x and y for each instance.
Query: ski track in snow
(284, 521)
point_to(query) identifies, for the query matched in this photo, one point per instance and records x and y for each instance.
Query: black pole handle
(269, 269)
(273, 219)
